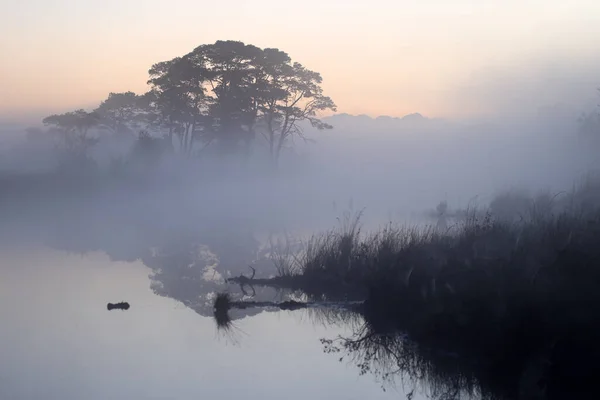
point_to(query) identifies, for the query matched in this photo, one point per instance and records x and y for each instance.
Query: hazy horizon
(472, 59)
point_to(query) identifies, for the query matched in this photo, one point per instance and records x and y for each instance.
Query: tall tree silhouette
(230, 71)
(229, 91)
(292, 94)
(178, 96)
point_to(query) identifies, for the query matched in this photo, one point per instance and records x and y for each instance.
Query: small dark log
(118, 306)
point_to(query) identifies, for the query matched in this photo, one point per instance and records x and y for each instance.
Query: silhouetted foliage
(73, 140)
(496, 308)
(221, 307)
(122, 113)
(178, 97)
(228, 91)
(74, 128)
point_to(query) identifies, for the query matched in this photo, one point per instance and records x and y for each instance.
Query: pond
(58, 341)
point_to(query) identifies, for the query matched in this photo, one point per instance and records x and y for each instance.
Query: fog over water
(140, 216)
(63, 344)
(393, 168)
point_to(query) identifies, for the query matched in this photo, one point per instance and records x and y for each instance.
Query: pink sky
(376, 57)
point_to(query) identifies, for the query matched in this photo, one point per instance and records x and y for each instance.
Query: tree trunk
(185, 139)
(281, 140)
(192, 128)
(271, 137)
(272, 146)
(280, 143)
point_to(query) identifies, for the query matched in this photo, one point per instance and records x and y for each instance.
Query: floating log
(118, 306)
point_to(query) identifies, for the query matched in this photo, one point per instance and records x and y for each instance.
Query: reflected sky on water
(58, 341)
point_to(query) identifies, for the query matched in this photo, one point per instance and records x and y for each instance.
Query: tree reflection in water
(387, 354)
(392, 357)
(189, 265)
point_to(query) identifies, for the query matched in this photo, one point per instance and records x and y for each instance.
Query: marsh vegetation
(503, 304)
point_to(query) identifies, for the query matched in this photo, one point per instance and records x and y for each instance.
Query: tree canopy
(226, 94)
(121, 112)
(73, 128)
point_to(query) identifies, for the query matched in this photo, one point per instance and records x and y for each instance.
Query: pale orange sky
(378, 57)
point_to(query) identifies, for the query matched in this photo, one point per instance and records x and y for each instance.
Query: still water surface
(58, 341)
